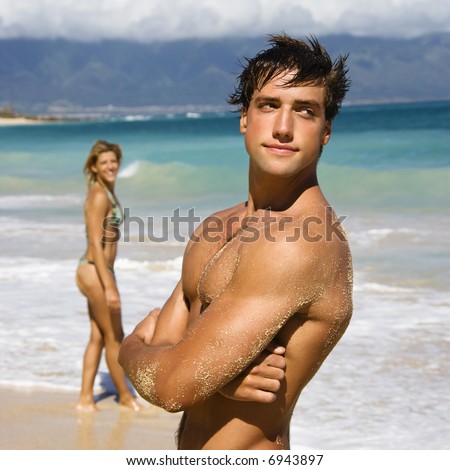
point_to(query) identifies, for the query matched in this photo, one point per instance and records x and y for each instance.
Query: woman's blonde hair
(101, 146)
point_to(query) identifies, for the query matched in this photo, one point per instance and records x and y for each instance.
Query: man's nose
(283, 127)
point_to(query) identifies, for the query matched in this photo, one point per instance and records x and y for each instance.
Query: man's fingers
(271, 365)
(275, 348)
(262, 396)
(263, 384)
(275, 361)
(261, 381)
(268, 372)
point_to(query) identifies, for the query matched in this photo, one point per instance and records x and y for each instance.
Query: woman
(95, 274)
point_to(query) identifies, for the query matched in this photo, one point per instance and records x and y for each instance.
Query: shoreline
(34, 120)
(19, 121)
(39, 419)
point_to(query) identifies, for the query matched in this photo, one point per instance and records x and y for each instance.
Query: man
(276, 268)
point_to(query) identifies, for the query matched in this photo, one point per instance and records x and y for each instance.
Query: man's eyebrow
(276, 99)
(267, 99)
(312, 103)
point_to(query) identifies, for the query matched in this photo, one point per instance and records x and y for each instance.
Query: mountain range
(61, 76)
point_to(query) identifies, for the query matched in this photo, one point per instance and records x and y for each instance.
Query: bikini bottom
(88, 261)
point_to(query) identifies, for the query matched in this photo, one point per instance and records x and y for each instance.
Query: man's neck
(277, 194)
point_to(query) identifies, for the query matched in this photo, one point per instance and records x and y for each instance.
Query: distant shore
(28, 120)
(16, 121)
(9, 117)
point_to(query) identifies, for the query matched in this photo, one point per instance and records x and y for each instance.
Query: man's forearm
(139, 362)
(173, 319)
(139, 352)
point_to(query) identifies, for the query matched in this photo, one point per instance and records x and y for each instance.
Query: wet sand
(37, 419)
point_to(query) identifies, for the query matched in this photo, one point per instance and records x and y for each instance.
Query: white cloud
(148, 20)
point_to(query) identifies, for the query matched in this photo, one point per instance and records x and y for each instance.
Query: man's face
(285, 128)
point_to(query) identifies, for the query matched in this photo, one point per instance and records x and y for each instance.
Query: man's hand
(261, 380)
(145, 329)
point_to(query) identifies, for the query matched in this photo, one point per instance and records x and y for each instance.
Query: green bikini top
(116, 211)
(116, 217)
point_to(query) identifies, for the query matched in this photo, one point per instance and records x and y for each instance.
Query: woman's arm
(97, 207)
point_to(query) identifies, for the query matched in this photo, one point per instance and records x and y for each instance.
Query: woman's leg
(91, 361)
(112, 346)
(110, 327)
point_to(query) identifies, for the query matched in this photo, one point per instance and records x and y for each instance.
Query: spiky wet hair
(310, 64)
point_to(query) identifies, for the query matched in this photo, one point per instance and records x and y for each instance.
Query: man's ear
(327, 132)
(243, 121)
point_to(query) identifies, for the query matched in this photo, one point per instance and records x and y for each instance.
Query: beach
(18, 121)
(385, 171)
(42, 419)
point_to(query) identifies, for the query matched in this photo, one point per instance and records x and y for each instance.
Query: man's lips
(280, 149)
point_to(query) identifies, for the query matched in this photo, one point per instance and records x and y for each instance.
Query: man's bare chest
(218, 272)
(208, 269)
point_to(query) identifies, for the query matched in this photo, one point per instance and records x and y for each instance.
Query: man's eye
(306, 111)
(267, 106)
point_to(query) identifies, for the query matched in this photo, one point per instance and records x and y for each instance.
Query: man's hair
(310, 64)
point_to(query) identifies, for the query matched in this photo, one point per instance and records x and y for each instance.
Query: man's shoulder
(309, 245)
(307, 231)
(222, 223)
(230, 212)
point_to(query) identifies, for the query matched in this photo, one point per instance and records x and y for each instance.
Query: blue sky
(149, 20)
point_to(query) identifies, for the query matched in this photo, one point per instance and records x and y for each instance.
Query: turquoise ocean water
(386, 169)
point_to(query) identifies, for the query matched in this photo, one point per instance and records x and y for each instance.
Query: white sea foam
(129, 170)
(137, 117)
(126, 264)
(384, 232)
(43, 333)
(382, 288)
(376, 236)
(40, 200)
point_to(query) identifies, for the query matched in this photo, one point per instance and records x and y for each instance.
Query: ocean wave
(37, 269)
(347, 188)
(130, 170)
(138, 117)
(43, 269)
(394, 189)
(47, 200)
(389, 235)
(376, 287)
(18, 226)
(126, 264)
(384, 232)
(26, 185)
(180, 182)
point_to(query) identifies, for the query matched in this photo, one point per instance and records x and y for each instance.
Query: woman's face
(106, 167)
